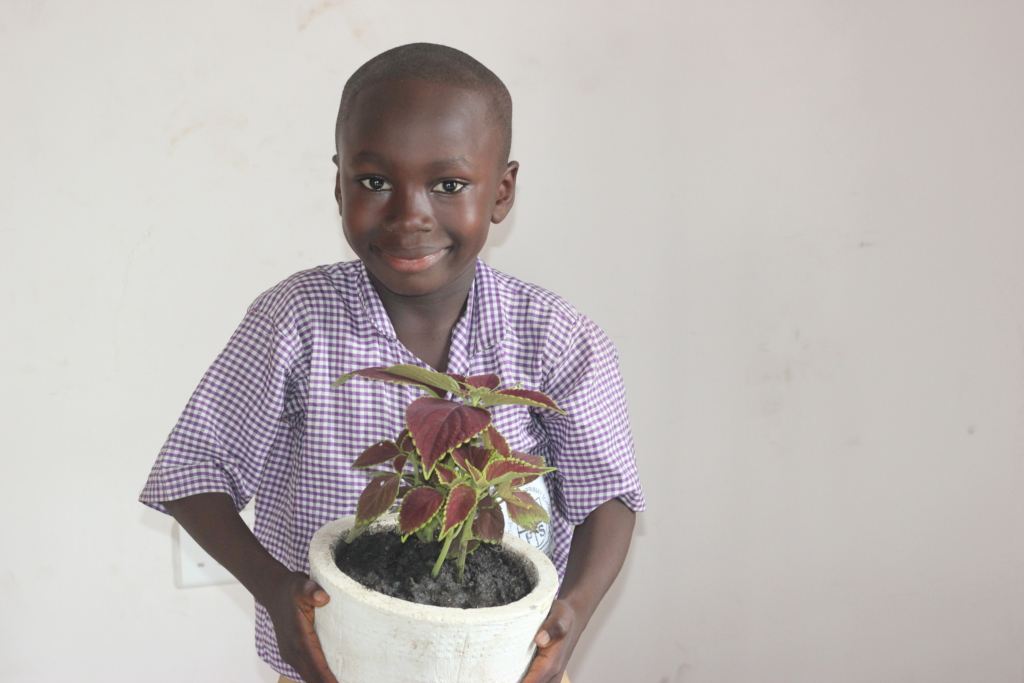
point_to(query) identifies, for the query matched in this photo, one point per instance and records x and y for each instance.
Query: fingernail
(542, 639)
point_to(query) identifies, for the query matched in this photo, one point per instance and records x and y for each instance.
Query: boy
(423, 138)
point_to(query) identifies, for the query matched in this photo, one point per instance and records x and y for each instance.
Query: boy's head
(423, 138)
(438, 64)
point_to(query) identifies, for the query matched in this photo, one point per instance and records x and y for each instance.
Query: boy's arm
(599, 547)
(211, 519)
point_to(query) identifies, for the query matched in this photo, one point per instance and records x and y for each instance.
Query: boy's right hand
(291, 606)
(290, 597)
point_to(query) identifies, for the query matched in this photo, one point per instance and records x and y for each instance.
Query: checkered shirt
(265, 421)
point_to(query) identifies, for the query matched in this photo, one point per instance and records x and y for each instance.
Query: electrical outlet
(193, 566)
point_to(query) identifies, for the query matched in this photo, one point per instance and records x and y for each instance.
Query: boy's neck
(424, 323)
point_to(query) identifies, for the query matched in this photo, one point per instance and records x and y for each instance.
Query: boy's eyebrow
(442, 164)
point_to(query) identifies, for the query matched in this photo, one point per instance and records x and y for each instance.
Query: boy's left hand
(555, 640)
(598, 548)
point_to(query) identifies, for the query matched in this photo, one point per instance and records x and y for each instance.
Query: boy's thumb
(554, 628)
(314, 594)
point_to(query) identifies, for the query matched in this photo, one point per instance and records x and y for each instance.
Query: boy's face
(420, 179)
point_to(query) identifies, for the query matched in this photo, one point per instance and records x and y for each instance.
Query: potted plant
(449, 473)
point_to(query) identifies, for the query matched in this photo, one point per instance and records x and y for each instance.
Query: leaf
(523, 397)
(378, 453)
(500, 471)
(483, 381)
(377, 498)
(430, 378)
(518, 498)
(438, 425)
(399, 463)
(489, 524)
(383, 375)
(404, 442)
(461, 502)
(444, 473)
(419, 507)
(471, 455)
(496, 441)
(533, 460)
(526, 512)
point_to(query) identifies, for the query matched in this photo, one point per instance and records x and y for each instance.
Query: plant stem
(467, 531)
(441, 558)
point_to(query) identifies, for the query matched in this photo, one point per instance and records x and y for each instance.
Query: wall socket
(193, 567)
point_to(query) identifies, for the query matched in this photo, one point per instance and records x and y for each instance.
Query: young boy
(423, 139)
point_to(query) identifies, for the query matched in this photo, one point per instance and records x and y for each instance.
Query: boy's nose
(410, 212)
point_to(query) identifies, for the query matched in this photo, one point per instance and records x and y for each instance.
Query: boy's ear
(337, 183)
(506, 193)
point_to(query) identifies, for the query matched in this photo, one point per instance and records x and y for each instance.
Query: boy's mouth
(409, 263)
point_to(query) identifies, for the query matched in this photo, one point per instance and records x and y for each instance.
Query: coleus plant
(449, 470)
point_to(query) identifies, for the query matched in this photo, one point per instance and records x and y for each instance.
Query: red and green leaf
(404, 442)
(464, 456)
(489, 524)
(500, 471)
(483, 381)
(378, 453)
(533, 460)
(399, 463)
(383, 375)
(460, 505)
(525, 511)
(418, 507)
(437, 380)
(523, 397)
(377, 498)
(494, 439)
(444, 473)
(437, 426)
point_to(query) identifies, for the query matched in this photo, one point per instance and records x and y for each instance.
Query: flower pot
(369, 637)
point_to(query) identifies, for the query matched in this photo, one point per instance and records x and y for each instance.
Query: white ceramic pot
(369, 637)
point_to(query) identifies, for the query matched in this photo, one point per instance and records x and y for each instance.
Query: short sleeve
(234, 421)
(591, 445)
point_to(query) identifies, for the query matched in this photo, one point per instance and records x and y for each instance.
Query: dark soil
(381, 562)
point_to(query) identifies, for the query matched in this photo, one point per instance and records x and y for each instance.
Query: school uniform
(265, 421)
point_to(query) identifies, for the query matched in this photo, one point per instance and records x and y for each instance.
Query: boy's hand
(291, 609)
(599, 546)
(290, 597)
(555, 640)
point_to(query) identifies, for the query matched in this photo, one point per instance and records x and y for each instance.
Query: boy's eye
(375, 184)
(449, 186)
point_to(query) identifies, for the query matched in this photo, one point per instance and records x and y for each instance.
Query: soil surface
(380, 561)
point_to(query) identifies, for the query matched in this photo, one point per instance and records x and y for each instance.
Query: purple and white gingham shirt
(265, 421)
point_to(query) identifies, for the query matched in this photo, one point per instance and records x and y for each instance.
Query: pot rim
(321, 556)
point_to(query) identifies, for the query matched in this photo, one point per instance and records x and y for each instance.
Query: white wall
(801, 222)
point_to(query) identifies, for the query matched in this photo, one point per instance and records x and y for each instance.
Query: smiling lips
(414, 264)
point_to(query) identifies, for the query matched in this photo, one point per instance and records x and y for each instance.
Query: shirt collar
(483, 325)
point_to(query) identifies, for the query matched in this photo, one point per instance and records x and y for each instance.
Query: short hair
(438, 64)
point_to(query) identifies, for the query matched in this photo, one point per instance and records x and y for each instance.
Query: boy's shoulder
(307, 291)
(527, 298)
(537, 317)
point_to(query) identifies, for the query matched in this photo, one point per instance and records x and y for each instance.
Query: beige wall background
(802, 222)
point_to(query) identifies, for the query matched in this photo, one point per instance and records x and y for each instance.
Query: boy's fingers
(548, 666)
(314, 594)
(315, 667)
(321, 673)
(556, 626)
